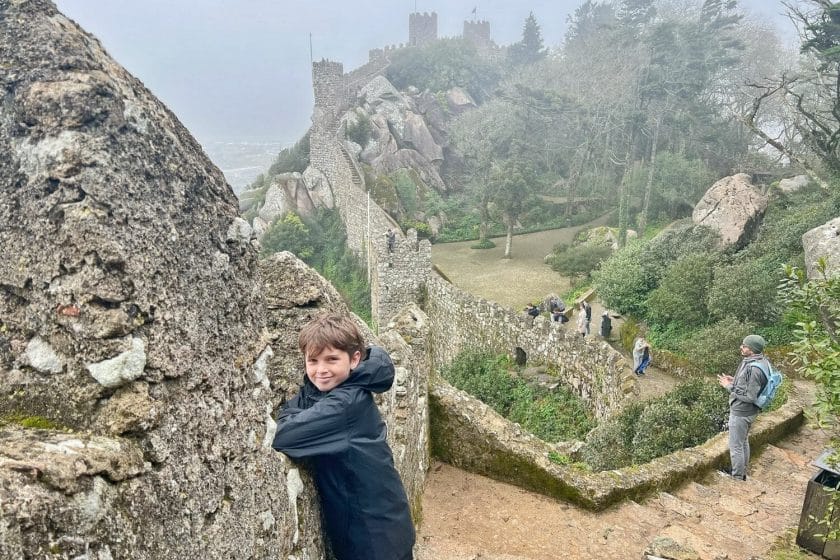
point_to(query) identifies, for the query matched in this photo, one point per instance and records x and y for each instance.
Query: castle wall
(590, 368)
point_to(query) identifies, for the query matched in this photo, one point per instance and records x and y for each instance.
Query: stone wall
(470, 435)
(401, 275)
(590, 367)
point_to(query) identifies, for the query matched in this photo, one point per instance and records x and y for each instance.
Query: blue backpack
(773, 378)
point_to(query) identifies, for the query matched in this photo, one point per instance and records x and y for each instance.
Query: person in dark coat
(334, 426)
(606, 325)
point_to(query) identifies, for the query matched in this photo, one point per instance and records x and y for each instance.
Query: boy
(334, 423)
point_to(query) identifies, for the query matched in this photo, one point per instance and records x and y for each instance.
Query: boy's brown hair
(330, 329)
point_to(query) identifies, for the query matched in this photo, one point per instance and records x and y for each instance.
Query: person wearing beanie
(744, 387)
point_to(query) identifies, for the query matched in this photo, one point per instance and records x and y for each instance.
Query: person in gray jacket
(744, 387)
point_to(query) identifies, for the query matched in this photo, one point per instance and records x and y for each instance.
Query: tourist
(744, 388)
(641, 356)
(391, 238)
(555, 303)
(585, 319)
(334, 424)
(532, 310)
(582, 323)
(559, 316)
(606, 325)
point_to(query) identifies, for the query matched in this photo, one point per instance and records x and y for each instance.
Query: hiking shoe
(728, 473)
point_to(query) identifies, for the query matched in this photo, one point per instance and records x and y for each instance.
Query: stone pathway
(469, 517)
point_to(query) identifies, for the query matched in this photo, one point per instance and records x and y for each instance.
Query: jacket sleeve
(322, 429)
(747, 390)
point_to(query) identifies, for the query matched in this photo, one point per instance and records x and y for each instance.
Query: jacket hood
(375, 373)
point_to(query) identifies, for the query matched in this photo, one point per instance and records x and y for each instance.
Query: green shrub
(687, 416)
(747, 290)
(714, 349)
(780, 234)
(320, 242)
(294, 159)
(550, 415)
(621, 281)
(681, 296)
(630, 330)
(288, 233)
(610, 444)
(360, 129)
(579, 260)
(442, 65)
(486, 244)
(484, 376)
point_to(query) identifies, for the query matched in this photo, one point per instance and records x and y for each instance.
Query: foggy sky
(240, 71)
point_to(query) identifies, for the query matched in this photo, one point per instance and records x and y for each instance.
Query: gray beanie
(755, 343)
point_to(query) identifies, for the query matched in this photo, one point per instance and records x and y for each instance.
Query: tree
(530, 49)
(811, 130)
(483, 136)
(817, 348)
(511, 182)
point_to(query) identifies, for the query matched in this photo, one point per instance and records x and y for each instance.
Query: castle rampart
(590, 368)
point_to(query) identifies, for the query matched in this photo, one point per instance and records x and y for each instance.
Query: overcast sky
(240, 70)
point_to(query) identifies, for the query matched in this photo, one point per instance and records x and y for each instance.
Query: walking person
(641, 355)
(582, 323)
(391, 239)
(606, 325)
(744, 388)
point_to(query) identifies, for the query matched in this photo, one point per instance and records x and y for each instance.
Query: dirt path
(469, 517)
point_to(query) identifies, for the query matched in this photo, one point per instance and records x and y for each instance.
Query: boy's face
(330, 368)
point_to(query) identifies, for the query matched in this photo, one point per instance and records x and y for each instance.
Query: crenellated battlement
(478, 33)
(422, 28)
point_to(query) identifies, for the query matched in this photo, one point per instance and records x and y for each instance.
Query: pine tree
(530, 49)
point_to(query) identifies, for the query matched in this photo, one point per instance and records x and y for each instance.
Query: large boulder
(733, 207)
(822, 242)
(133, 420)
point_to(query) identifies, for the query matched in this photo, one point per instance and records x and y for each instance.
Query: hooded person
(334, 426)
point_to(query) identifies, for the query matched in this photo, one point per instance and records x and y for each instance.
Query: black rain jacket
(342, 437)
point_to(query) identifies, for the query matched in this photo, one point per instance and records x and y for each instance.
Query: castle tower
(478, 33)
(422, 28)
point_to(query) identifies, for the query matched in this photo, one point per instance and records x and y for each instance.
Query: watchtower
(422, 28)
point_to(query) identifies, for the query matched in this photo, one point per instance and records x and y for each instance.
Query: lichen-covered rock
(131, 318)
(823, 242)
(794, 184)
(732, 207)
(666, 548)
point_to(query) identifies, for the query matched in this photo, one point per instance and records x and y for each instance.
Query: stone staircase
(470, 517)
(354, 171)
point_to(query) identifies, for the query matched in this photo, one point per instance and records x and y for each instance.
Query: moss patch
(31, 422)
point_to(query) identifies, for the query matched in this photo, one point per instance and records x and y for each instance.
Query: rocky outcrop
(401, 136)
(131, 318)
(141, 355)
(793, 184)
(733, 207)
(823, 242)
